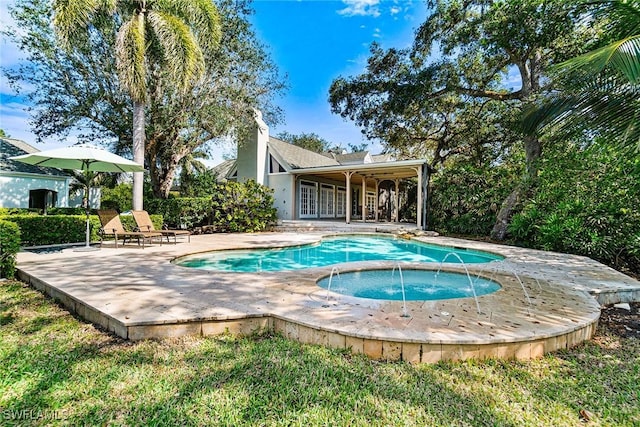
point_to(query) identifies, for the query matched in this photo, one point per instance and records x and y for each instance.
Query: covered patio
(368, 176)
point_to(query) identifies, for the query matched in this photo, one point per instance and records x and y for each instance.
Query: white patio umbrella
(83, 158)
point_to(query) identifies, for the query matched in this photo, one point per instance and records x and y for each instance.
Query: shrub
(66, 211)
(235, 207)
(244, 207)
(182, 212)
(119, 198)
(54, 229)
(586, 204)
(465, 199)
(9, 247)
(20, 211)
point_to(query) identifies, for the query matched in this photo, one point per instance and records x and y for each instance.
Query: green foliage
(464, 199)
(54, 229)
(182, 212)
(9, 247)
(78, 87)
(597, 92)
(66, 211)
(20, 211)
(118, 198)
(587, 204)
(234, 207)
(242, 206)
(199, 184)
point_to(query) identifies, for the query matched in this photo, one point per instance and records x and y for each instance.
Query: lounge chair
(112, 226)
(144, 224)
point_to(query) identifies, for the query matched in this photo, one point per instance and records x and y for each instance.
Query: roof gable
(14, 147)
(296, 157)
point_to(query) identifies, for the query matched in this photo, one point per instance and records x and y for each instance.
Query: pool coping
(151, 298)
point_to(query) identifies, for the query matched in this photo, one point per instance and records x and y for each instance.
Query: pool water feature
(419, 285)
(332, 250)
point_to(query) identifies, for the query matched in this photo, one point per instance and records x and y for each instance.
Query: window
(275, 166)
(308, 199)
(43, 199)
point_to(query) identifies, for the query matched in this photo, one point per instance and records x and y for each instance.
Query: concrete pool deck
(138, 294)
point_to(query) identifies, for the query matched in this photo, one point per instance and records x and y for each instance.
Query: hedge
(54, 229)
(9, 247)
(61, 229)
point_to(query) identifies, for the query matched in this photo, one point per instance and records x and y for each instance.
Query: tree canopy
(598, 91)
(77, 91)
(461, 87)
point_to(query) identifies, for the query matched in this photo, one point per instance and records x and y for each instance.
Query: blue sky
(311, 41)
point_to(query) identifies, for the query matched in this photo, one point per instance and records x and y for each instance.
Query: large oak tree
(467, 57)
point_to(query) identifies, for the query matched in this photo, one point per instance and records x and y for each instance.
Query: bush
(586, 204)
(235, 207)
(9, 247)
(67, 211)
(244, 207)
(54, 229)
(119, 198)
(182, 212)
(465, 199)
(20, 211)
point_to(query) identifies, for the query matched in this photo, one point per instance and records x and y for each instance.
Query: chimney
(252, 154)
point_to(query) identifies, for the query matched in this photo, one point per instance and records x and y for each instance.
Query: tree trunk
(166, 182)
(533, 151)
(162, 177)
(499, 230)
(138, 153)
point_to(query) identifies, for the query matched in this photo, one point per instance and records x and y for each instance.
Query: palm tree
(599, 90)
(160, 39)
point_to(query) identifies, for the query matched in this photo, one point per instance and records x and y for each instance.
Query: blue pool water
(331, 251)
(419, 285)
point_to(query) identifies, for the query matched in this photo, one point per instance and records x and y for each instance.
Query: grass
(58, 370)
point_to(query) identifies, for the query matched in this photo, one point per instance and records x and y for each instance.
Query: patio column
(377, 181)
(364, 198)
(294, 199)
(419, 198)
(348, 176)
(397, 201)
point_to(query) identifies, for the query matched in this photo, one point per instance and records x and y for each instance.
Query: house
(309, 185)
(28, 186)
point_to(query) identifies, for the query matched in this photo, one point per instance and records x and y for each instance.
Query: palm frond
(622, 55)
(180, 49)
(613, 113)
(73, 16)
(130, 57)
(202, 17)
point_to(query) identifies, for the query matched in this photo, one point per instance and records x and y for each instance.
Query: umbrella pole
(87, 247)
(88, 231)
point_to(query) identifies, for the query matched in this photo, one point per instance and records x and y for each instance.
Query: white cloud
(360, 8)
(377, 33)
(394, 10)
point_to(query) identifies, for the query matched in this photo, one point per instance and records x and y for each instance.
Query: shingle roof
(353, 158)
(298, 157)
(222, 170)
(14, 147)
(378, 158)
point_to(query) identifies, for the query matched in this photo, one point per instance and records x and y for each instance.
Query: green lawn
(58, 370)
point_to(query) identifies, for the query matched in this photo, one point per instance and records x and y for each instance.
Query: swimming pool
(331, 250)
(419, 285)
